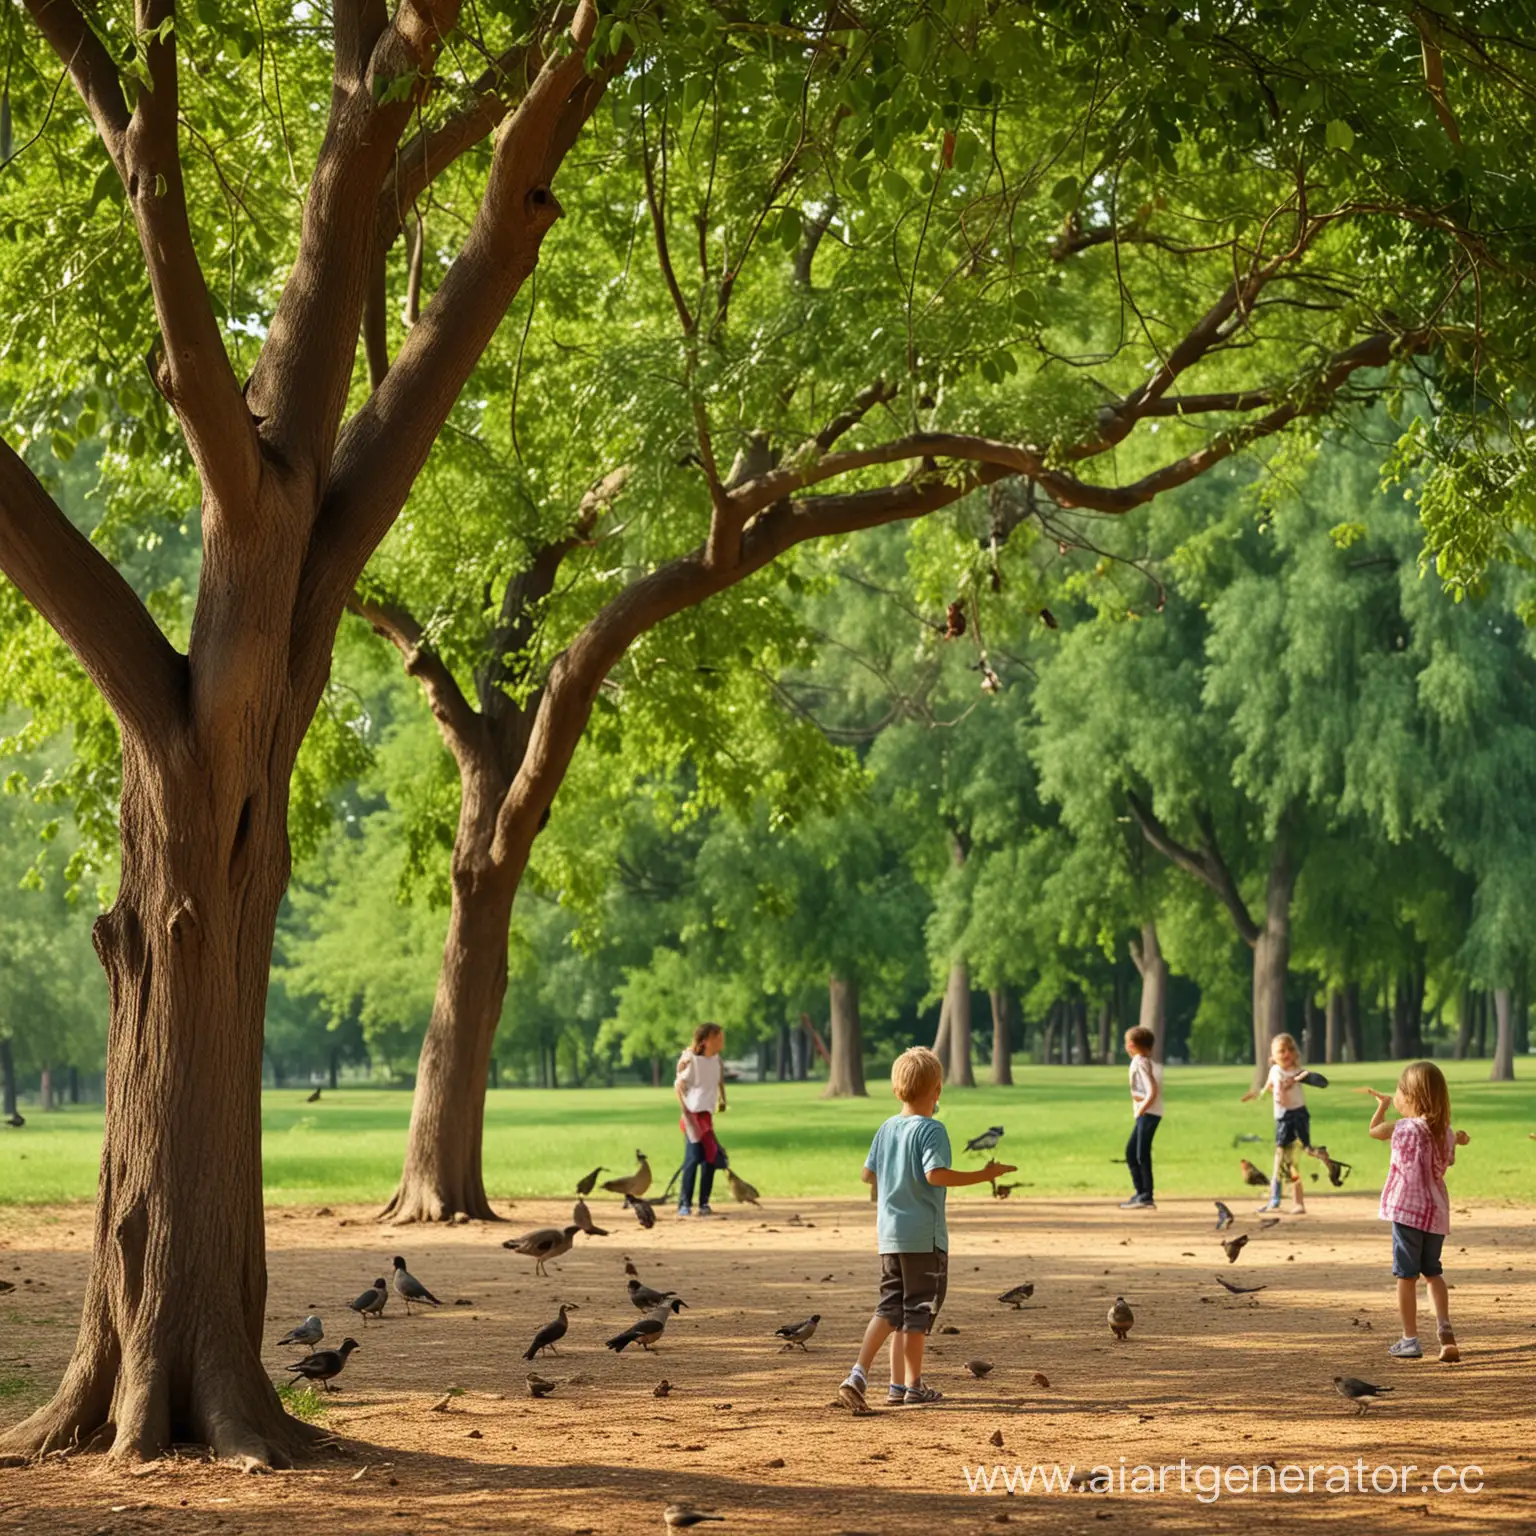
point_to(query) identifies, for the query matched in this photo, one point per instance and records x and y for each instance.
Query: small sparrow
(1357, 1391)
(1121, 1319)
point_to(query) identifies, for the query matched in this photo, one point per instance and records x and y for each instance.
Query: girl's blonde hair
(1284, 1043)
(702, 1036)
(915, 1074)
(1426, 1093)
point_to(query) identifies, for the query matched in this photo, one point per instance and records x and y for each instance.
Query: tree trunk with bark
(941, 1035)
(1272, 958)
(1333, 1037)
(1002, 1038)
(1147, 956)
(1312, 1028)
(334, 1079)
(7, 1078)
(1353, 1041)
(1106, 1037)
(845, 1075)
(1504, 1046)
(1080, 1029)
(959, 1073)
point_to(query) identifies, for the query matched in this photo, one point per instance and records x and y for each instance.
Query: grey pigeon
(645, 1212)
(1224, 1216)
(798, 1333)
(551, 1333)
(408, 1288)
(1018, 1295)
(1239, 1290)
(646, 1299)
(1234, 1246)
(308, 1333)
(986, 1141)
(585, 1186)
(635, 1183)
(583, 1219)
(681, 1517)
(979, 1368)
(542, 1244)
(371, 1303)
(1357, 1391)
(648, 1329)
(1121, 1319)
(324, 1364)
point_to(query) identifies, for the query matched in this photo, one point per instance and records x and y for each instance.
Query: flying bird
(635, 1183)
(372, 1302)
(543, 1244)
(324, 1364)
(680, 1517)
(1357, 1391)
(1121, 1319)
(583, 1219)
(645, 1212)
(646, 1299)
(1312, 1079)
(1273, 1221)
(585, 1186)
(551, 1333)
(1337, 1172)
(798, 1333)
(1240, 1290)
(1255, 1176)
(1018, 1295)
(408, 1288)
(308, 1333)
(1224, 1217)
(539, 1386)
(1234, 1246)
(741, 1192)
(648, 1329)
(986, 1141)
(1002, 1191)
(979, 1368)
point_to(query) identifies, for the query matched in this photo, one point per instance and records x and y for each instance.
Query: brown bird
(1234, 1246)
(583, 1219)
(645, 1212)
(542, 1244)
(741, 1192)
(314, 1098)
(997, 1438)
(1040, 1379)
(1255, 1176)
(1002, 1191)
(662, 1388)
(629, 1268)
(1240, 1290)
(1018, 1295)
(1337, 1172)
(585, 1186)
(540, 1386)
(635, 1183)
(978, 1368)
(1121, 1319)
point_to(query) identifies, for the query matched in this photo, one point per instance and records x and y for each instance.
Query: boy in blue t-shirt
(908, 1164)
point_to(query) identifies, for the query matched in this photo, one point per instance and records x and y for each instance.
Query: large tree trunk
(1353, 1040)
(1149, 961)
(1272, 959)
(1333, 1040)
(845, 1076)
(1002, 1038)
(1080, 1029)
(335, 1073)
(1312, 1028)
(941, 1035)
(958, 1071)
(1105, 1052)
(1504, 1046)
(7, 1078)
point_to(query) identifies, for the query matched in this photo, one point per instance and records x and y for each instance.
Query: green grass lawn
(1066, 1127)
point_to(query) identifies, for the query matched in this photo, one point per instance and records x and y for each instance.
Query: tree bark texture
(7, 1078)
(1504, 1043)
(1149, 961)
(1272, 958)
(845, 1076)
(1002, 1038)
(958, 1070)
(941, 1035)
(1353, 1040)
(1333, 1029)
(1312, 1031)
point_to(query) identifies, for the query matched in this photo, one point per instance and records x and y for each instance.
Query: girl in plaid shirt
(1414, 1198)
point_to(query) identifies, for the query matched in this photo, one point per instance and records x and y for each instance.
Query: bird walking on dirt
(1337, 1172)
(1121, 1319)
(408, 1288)
(741, 1192)
(646, 1299)
(584, 1187)
(543, 1244)
(645, 1212)
(583, 1219)
(1255, 1176)
(551, 1333)
(1224, 1216)
(629, 1268)
(1234, 1246)
(635, 1183)
(372, 1302)
(986, 1141)
(324, 1364)
(308, 1333)
(979, 1368)
(1357, 1391)
(1018, 1295)
(682, 1517)
(1240, 1290)
(649, 1329)
(539, 1386)
(799, 1333)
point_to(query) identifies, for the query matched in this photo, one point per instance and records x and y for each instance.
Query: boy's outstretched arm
(958, 1178)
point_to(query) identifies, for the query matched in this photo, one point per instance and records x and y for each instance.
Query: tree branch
(94, 610)
(1205, 864)
(90, 67)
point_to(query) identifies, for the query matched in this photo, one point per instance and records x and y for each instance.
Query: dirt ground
(751, 1431)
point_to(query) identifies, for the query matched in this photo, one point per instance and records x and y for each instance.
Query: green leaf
(1340, 135)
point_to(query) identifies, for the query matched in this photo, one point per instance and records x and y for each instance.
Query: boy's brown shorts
(912, 1287)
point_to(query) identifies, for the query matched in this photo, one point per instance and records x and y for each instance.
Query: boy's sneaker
(851, 1394)
(685, 1210)
(1447, 1338)
(922, 1394)
(704, 1210)
(1134, 1203)
(1266, 1208)
(1406, 1349)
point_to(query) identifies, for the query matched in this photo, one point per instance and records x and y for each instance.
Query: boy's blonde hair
(1141, 1037)
(916, 1074)
(1284, 1043)
(1425, 1091)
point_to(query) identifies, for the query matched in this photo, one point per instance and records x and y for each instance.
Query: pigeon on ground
(680, 1517)
(1240, 1290)
(741, 1192)
(1234, 1246)
(15, 1120)
(314, 1098)
(1255, 1176)
(662, 1388)
(646, 1299)
(629, 1268)
(978, 1368)
(1121, 1319)
(1224, 1217)
(798, 1333)
(1018, 1295)
(1237, 1141)
(635, 1183)
(543, 1244)
(645, 1212)
(5, 1285)
(1357, 1391)
(583, 1219)
(986, 1141)
(648, 1329)
(371, 1303)
(551, 1333)
(584, 1187)
(408, 1288)
(539, 1386)
(324, 1364)
(308, 1333)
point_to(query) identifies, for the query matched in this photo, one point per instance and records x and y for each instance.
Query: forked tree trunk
(1002, 1038)
(1504, 1044)
(845, 1075)
(1149, 961)
(958, 1072)
(1333, 1031)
